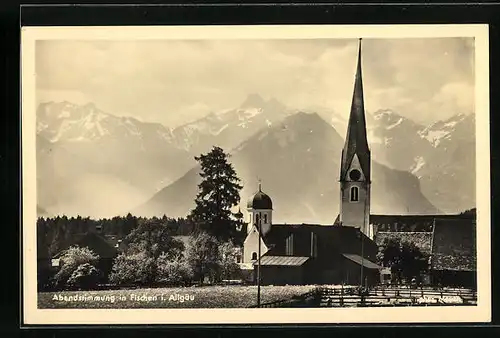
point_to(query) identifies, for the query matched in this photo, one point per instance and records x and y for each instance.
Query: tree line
(151, 255)
(56, 233)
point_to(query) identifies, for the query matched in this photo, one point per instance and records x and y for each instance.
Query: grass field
(189, 297)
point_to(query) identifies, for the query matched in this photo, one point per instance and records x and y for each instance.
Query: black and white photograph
(256, 174)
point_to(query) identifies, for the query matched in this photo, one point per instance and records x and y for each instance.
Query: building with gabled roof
(105, 248)
(453, 256)
(312, 254)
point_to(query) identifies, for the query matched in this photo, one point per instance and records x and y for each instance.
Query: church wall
(282, 275)
(354, 213)
(324, 270)
(251, 245)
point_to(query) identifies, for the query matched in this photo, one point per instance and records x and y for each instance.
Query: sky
(177, 81)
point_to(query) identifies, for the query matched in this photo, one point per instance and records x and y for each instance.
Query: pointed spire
(356, 141)
(260, 185)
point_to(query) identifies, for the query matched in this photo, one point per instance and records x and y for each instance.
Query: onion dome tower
(260, 208)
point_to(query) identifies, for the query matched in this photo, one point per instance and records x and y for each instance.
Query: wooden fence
(352, 296)
(396, 296)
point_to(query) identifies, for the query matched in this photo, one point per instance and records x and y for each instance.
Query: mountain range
(94, 163)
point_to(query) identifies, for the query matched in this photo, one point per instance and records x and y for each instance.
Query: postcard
(256, 174)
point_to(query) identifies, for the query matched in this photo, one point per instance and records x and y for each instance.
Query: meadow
(181, 297)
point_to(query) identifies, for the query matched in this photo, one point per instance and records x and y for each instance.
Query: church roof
(282, 260)
(422, 240)
(260, 201)
(356, 142)
(360, 261)
(343, 239)
(454, 245)
(412, 223)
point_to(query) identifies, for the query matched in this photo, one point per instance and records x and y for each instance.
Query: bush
(174, 271)
(134, 269)
(71, 260)
(229, 269)
(86, 277)
(213, 259)
(203, 257)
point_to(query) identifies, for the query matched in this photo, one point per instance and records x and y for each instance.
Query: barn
(97, 243)
(453, 257)
(448, 240)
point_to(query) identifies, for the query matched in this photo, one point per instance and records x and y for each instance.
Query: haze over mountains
(93, 163)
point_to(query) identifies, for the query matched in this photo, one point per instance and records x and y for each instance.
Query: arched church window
(265, 218)
(354, 194)
(254, 256)
(257, 219)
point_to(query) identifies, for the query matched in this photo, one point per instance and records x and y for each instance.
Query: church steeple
(355, 165)
(356, 142)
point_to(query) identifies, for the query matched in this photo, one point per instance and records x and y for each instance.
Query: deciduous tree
(71, 260)
(404, 258)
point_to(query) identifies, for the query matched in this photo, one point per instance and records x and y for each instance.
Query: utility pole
(259, 223)
(362, 259)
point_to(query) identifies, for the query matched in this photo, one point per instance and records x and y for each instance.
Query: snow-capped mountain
(298, 161)
(395, 141)
(228, 128)
(67, 122)
(95, 163)
(460, 125)
(441, 155)
(448, 176)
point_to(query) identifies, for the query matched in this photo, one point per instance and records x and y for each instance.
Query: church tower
(260, 208)
(355, 168)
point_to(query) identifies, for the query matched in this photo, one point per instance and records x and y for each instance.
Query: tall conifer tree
(218, 192)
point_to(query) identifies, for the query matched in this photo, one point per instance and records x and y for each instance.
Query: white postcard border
(479, 313)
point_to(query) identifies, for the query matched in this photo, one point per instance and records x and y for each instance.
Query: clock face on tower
(354, 175)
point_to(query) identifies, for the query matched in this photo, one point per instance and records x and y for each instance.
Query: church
(344, 252)
(341, 252)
